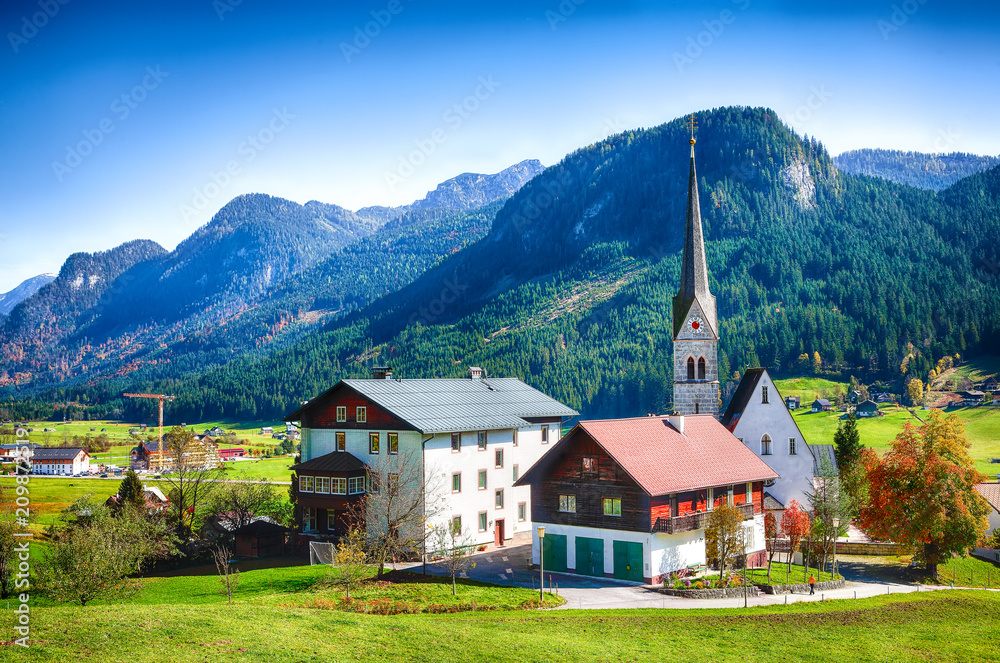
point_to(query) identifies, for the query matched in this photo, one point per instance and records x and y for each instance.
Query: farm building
(821, 405)
(231, 453)
(157, 456)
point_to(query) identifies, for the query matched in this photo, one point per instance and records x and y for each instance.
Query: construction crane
(158, 397)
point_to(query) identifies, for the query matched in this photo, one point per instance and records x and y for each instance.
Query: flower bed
(710, 587)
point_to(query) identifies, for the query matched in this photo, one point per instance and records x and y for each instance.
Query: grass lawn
(970, 572)
(942, 626)
(312, 586)
(780, 574)
(271, 469)
(810, 388)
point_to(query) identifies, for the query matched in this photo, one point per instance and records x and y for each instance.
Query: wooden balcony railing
(694, 521)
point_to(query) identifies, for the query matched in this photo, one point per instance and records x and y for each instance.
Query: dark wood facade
(323, 412)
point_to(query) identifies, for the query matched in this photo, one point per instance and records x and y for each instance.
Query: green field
(270, 469)
(982, 424)
(958, 626)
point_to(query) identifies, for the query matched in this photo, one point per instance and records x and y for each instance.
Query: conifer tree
(130, 492)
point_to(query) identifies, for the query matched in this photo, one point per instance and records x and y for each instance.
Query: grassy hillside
(949, 626)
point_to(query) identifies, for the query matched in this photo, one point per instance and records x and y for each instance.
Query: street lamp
(836, 533)
(541, 563)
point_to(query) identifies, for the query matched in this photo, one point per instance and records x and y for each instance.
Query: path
(508, 566)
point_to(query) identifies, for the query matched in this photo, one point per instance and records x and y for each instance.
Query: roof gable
(741, 397)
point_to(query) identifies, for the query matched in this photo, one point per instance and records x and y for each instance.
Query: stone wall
(725, 593)
(801, 588)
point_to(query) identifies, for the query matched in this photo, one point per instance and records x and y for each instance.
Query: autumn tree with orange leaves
(795, 525)
(922, 492)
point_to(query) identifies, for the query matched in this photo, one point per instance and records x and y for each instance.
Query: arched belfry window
(701, 368)
(690, 368)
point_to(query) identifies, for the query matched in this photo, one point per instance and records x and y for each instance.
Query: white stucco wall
(774, 419)
(440, 462)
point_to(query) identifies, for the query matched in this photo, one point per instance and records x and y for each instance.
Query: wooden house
(821, 405)
(630, 498)
(793, 402)
(866, 409)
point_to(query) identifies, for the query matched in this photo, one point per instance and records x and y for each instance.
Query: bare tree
(400, 500)
(455, 549)
(190, 479)
(828, 503)
(229, 575)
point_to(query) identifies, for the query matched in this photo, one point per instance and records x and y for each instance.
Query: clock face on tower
(696, 323)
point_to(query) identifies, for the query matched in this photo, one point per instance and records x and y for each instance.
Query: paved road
(509, 566)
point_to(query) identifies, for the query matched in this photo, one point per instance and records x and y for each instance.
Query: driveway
(509, 566)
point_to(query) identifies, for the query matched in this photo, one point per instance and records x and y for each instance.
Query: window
(331, 520)
(305, 484)
(373, 443)
(341, 440)
(589, 465)
(791, 446)
(456, 525)
(499, 498)
(749, 493)
(322, 484)
(456, 442)
(514, 433)
(690, 366)
(498, 458)
(339, 486)
(356, 485)
(309, 519)
(701, 368)
(482, 479)
(710, 502)
(731, 496)
(373, 486)
(517, 473)
(481, 440)
(765, 445)
(482, 521)
(393, 443)
(456, 482)
(763, 395)
(612, 506)
(522, 511)
(567, 503)
(361, 414)
(341, 413)
(545, 434)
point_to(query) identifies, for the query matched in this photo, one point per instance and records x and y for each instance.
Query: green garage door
(628, 560)
(554, 549)
(590, 556)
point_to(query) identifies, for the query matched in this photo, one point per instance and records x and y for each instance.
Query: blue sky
(126, 120)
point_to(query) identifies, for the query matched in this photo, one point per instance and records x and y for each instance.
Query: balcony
(694, 521)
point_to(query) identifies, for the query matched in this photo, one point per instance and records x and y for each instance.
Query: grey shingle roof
(458, 404)
(820, 450)
(55, 453)
(336, 461)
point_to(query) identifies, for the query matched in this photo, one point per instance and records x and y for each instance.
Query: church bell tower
(696, 327)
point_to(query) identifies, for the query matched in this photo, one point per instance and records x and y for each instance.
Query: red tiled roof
(991, 493)
(663, 461)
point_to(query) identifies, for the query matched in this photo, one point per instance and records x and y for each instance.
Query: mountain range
(566, 284)
(22, 291)
(924, 171)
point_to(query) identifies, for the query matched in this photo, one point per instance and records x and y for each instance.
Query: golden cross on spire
(692, 124)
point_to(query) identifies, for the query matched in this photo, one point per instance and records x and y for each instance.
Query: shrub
(699, 585)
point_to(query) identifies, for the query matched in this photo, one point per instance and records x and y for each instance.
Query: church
(630, 498)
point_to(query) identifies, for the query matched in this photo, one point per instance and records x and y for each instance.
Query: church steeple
(696, 335)
(694, 269)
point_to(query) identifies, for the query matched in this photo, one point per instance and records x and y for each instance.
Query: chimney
(381, 372)
(475, 373)
(677, 421)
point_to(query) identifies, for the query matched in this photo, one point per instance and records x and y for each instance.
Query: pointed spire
(694, 269)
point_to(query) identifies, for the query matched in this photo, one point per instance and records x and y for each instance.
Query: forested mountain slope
(570, 289)
(924, 171)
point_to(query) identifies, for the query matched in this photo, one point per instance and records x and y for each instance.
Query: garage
(590, 556)
(554, 551)
(628, 560)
